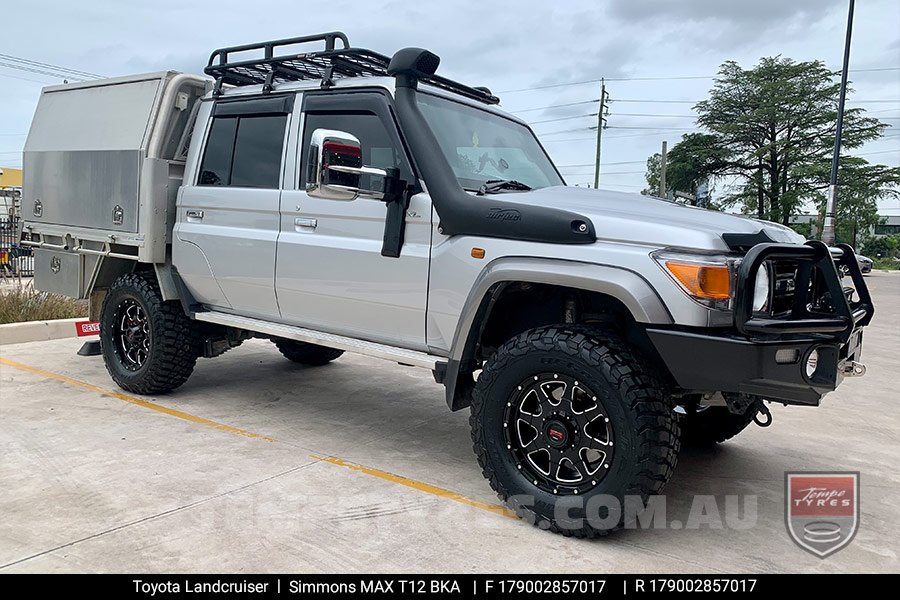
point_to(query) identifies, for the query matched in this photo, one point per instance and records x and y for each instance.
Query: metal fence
(16, 260)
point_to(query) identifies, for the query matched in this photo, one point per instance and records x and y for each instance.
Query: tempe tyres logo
(821, 510)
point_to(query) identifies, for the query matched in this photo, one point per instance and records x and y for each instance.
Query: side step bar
(331, 340)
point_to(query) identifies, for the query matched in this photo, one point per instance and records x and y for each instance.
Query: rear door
(330, 272)
(228, 217)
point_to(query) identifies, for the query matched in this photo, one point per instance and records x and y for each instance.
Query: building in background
(889, 226)
(10, 192)
(10, 178)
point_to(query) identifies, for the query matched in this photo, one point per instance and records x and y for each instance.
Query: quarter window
(244, 151)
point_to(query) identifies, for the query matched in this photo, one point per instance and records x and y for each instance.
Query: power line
(571, 140)
(560, 119)
(659, 78)
(611, 137)
(633, 135)
(586, 81)
(657, 101)
(878, 152)
(618, 114)
(24, 78)
(636, 101)
(564, 131)
(654, 128)
(57, 68)
(41, 71)
(611, 173)
(515, 112)
(624, 162)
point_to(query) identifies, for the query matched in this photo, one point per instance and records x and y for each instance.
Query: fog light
(787, 356)
(812, 362)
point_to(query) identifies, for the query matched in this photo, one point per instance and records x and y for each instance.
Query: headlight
(705, 278)
(761, 289)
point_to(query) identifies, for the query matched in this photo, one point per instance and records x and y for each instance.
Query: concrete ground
(259, 465)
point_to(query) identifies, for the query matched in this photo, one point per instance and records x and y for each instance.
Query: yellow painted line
(132, 400)
(398, 479)
(419, 485)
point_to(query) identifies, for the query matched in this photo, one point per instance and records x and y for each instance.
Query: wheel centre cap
(557, 433)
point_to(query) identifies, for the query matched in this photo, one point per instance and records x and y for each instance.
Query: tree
(690, 163)
(652, 175)
(882, 246)
(860, 185)
(772, 126)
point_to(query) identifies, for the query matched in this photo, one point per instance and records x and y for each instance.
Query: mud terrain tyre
(307, 354)
(602, 424)
(149, 345)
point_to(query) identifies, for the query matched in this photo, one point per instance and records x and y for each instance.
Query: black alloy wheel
(133, 337)
(559, 434)
(149, 345)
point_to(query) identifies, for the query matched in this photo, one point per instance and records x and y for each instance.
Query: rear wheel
(307, 354)
(563, 412)
(148, 345)
(709, 425)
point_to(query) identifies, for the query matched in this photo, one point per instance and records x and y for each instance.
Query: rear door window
(244, 151)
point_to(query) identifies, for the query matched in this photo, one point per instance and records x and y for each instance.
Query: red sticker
(84, 328)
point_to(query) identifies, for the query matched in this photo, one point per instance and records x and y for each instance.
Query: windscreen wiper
(493, 186)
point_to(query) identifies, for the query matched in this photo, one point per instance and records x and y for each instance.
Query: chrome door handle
(194, 214)
(305, 224)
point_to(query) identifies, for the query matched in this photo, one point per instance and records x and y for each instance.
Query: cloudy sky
(658, 56)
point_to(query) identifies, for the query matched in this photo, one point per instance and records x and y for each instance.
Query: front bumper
(767, 355)
(731, 363)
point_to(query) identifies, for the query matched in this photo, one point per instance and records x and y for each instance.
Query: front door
(330, 273)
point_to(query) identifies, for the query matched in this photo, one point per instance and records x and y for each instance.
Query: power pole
(601, 123)
(831, 205)
(662, 170)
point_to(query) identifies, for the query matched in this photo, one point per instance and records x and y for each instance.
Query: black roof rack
(325, 65)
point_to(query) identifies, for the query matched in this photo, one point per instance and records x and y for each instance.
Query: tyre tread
(642, 389)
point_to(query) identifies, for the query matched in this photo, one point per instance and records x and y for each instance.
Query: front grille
(784, 277)
(806, 294)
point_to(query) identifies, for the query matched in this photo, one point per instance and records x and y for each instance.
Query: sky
(657, 56)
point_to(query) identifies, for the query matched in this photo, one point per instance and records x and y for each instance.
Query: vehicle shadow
(395, 418)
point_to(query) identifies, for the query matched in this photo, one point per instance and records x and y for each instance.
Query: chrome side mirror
(335, 167)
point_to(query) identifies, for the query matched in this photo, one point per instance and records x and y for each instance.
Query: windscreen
(482, 146)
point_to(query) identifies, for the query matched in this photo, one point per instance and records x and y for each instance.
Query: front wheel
(149, 345)
(562, 415)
